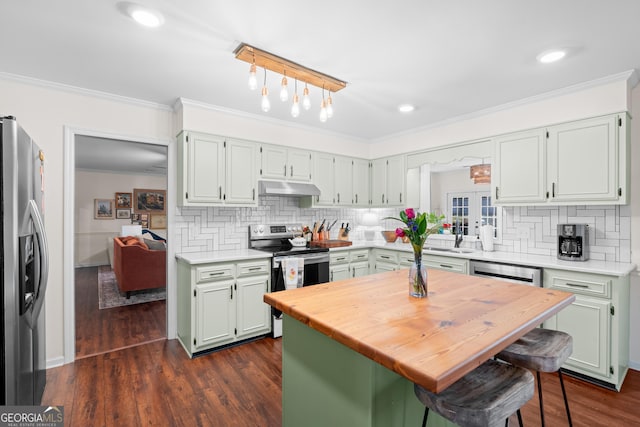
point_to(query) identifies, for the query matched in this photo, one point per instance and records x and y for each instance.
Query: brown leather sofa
(137, 267)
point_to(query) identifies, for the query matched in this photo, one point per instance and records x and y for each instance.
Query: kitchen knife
(331, 226)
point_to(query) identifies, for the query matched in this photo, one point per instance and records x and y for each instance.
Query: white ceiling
(449, 58)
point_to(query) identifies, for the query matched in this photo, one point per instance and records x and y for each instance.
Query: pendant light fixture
(306, 100)
(284, 92)
(323, 108)
(481, 174)
(329, 106)
(289, 69)
(295, 107)
(253, 80)
(266, 104)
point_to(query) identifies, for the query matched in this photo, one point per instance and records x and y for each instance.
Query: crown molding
(83, 91)
(631, 76)
(265, 119)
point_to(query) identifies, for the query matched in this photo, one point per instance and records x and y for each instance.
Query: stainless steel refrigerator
(24, 267)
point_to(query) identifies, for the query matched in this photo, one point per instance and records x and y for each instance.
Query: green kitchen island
(353, 348)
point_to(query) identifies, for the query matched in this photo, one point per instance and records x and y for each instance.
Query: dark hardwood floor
(99, 331)
(157, 384)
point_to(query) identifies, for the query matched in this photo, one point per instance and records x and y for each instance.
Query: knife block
(342, 235)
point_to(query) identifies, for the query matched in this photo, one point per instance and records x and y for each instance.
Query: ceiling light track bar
(277, 64)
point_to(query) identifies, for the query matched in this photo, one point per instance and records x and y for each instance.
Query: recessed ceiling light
(142, 15)
(406, 108)
(549, 56)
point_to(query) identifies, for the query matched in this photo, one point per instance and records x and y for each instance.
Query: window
(470, 210)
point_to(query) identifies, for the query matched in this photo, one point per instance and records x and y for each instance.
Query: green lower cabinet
(325, 383)
(598, 321)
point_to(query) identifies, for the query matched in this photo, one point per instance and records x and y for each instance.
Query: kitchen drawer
(252, 268)
(359, 255)
(385, 256)
(213, 272)
(406, 259)
(339, 257)
(456, 265)
(578, 283)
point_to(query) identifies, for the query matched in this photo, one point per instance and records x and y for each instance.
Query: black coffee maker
(573, 242)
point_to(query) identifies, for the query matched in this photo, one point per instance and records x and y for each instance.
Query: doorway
(106, 171)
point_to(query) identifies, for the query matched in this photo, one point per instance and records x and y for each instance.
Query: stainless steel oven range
(274, 238)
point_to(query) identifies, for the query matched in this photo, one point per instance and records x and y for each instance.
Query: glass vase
(418, 277)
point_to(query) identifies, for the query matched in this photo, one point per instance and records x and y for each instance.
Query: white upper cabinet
(286, 163)
(200, 169)
(323, 179)
(388, 178)
(240, 183)
(360, 173)
(343, 180)
(581, 162)
(214, 171)
(518, 171)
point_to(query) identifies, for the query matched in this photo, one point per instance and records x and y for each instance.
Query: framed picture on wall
(158, 222)
(149, 201)
(123, 213)
(123, 200)
(144, 224)
(103, 208)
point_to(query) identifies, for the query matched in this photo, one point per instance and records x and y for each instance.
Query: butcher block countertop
(433, 341)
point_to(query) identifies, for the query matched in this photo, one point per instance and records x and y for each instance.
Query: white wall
(91, 234)
(589, 102)
(44, 112)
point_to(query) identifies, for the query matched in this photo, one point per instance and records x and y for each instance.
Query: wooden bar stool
(486, 396)
(541, 350)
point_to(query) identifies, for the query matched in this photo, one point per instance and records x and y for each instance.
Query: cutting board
(329, 243)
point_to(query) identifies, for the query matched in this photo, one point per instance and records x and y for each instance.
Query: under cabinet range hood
(282, 188)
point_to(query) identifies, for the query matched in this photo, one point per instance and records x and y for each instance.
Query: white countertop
(591, 266)
(221, 256)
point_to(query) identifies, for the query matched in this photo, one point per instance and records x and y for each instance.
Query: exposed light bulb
(284, 92)
(266, 104)
(295, 107)
(253, 80)
(323, 111)
(329, 106)
(306, 101)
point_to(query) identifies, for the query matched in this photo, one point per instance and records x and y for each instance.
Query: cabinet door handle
(384, 256)
(577, 285)
(383, 199)
(291, 174)
(332, 276)
(553, 189)
(338, 197)
(231, 290)
(217, 273)
(356, 198)
(220, 192)
(254, 268)
(446, 266)
(340, 259)
(400, 197)
(285, 170)
(496, 193)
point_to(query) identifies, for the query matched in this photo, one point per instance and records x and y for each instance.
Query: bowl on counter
(389, 235)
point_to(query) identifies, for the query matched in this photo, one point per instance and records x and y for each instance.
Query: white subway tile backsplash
(530, 230)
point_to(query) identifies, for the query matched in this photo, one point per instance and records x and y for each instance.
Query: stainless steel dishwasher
(508, 272)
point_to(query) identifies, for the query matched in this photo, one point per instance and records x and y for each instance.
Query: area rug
(109, 295)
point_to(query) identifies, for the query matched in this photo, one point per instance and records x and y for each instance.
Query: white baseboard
(96, 264)
(634, 365)
(55, 362)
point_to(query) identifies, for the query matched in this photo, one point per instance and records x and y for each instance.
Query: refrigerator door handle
(44, 258)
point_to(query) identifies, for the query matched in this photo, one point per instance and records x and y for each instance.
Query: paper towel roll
(486, 237)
